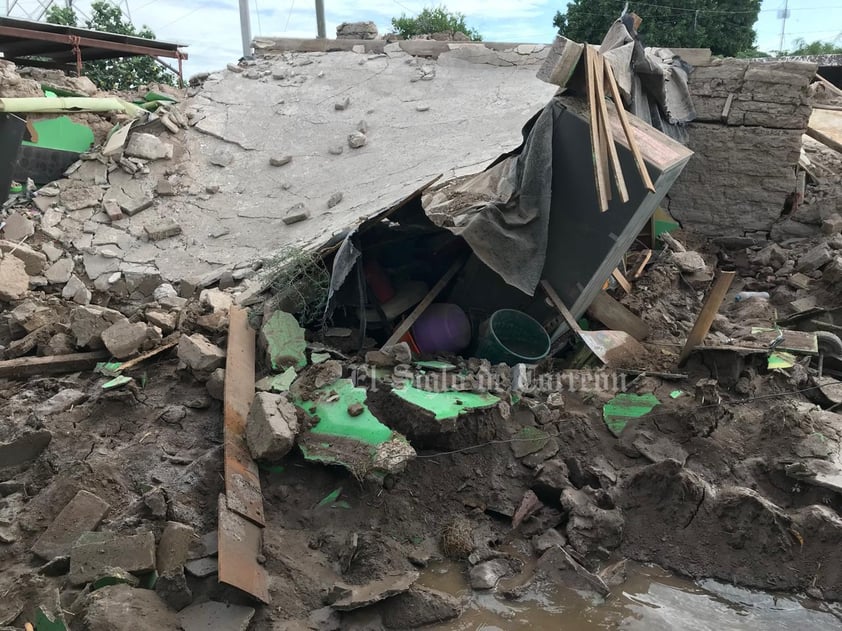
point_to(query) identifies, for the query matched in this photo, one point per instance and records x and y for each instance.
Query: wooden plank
(624, 121)
(148, 354)
(599, 175)
(826, 127)
(647, 256)
(407, 323)
(621, 280)
(828, 85)
(615, 316)
(50, 365)
(619, 180)
(711, 307)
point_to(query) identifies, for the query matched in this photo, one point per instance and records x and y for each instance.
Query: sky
(211, 28)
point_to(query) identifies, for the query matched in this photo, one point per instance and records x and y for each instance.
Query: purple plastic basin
(442, 328)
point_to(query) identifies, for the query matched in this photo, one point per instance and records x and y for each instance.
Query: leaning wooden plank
(647, 256)
(404, 326)
(240, 544)
(602, 128)
(622, 281)
(50, 365)
(615, 316)
(619, 180)
(826, 127)
(148, 354)
(599, 176)
(832, 88)
(242, 480)
(624, 121)
(708, 313)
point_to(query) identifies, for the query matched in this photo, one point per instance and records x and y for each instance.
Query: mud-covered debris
(215, 616)
(357, 596)
(172, 588)
(551, 537)
(199, 353)
(418, 607)
(271, 427)
(26, 447)
(593, 522)
(216, 384)
(87, 322)
(82, 514)
(62, 401)
(558, 565)
(94, 552)
(120, 608)
(487, 574)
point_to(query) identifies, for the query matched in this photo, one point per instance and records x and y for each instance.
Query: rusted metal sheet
(242, 481)
(240, 543)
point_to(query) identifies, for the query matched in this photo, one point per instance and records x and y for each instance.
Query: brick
(113, 210)
(82, 514)
(163, 229)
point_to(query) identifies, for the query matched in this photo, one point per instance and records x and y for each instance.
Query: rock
(772, 255)
(295, 214)
(557, 565)
(815, 258)
(96, 551)
(589, 526)
(422, 108)
(832, 272)
(271, 427)
(24, 448)
(164, 291)
(164, 320)
(356, 30)
(543, 542)
(76, 291)
(197, 352)
(329, 372)
(486, 575)
(60, 271)
(88, 322)
(357, 139)
(336, 150)
(164, 188)
(689, 261)
(216, 384)
(163, 229)
(221, 158)
(214, 615)
(14, 281)
(174, 546)
(18, 227)
(147, 147)
(172, 588)
(357, 596)
(52, 252)
(123, 339)
(123, 608)
(134, 206)
(280, 161)
(832, 225)
(82, 514)
(34, 262)
(355, 409)
(60, 402)
(60, 344)
(234, 68)
(201, 568)
(334, 200)
(343, 104)
(400, 352)
(31, 315)
(97, 265)
(418, 607)
(216, 299)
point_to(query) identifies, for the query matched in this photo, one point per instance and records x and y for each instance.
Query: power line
(289, 15)
(257, 10)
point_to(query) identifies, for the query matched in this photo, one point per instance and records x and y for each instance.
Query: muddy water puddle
(650, 600)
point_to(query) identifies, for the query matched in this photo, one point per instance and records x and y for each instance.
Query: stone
(559, 566)
(88, 322)
(334, 200)
(216, 384)
(60, 402)
(174, 546)
(400, 352)
(815, 258)
(199, 354)
(18, 227)
(163, 229)
(134, 206)
(201, 568)
(164, 320)
(82, 514)
(31, 315)
(91, 555)
(689, 261)
(172, 588)
(221, 158)
(232, 67)
(215, 615)
(14, 281)
(123, 339)
(832, 225)
(147, 147)
(420, 606)
(336, 150)
(164, 188)
(343, 104)
(543, 542)
(772, 255)
(356, 30)
(97, 265)
(79, 197)
(487, 574)
(76, 291)
(357, 139)
(422, 108)
(60, 271)
(271, 427)
(24, 448)
(60, 344)
(123, 608)
(280, 161)
(34, 262)
(295, 214)
(111, 208)
(832, 272)
(52, 252)
(216, 299)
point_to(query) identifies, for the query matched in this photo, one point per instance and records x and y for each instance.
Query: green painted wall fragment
(625, 406)
(445, 405)
(43, 622)
(284, 341)
(334, 419)
(62, 133)
(319, 358)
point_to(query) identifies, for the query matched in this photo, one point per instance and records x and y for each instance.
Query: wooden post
(712, 303)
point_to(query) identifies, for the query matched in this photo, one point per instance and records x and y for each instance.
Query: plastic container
(512, 337)
(379, 282)
(745, 295)
(442, 328)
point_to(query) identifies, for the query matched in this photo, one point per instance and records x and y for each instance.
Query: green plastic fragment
(334, 419)
(109, 369)
(63, 134)
(341, 504)
(44, 623)
(285, 343)
(319, 358)
(157, 96)
(445, 405)
(619, 410)
(330, 498)
(676, 393)
(122, 380)
(16, 188)
(781, 361)
(436, 365)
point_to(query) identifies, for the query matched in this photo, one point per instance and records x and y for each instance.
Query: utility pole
(245, 27)
(783, 15)
(320, 19)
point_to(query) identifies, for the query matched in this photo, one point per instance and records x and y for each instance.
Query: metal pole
(783, 27)
(245, 27)
(320, 19)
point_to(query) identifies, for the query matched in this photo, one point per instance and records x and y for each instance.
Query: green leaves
(433, 20)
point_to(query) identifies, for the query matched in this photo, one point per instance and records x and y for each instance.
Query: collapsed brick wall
(744, 164)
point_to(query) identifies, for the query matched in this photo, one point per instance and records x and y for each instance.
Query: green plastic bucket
(512, 337)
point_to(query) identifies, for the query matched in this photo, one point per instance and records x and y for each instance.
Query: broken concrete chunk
(134, 206)
(18, 227)
(61, 402)
(296, 214)
(14, 281)
(164, 188)
(163, 229)
(164, 320)
(35, 262)
(76, 291)
(197, 352)
(334, 200)
(357, 139)
(216, 384)
(357, 596)
(25, 448)
(52, 252)
(200, 568)
(88, 322)
(172, 587)
(174, 546)
(356, 30)
(216, 299)
(82, 514)
(123, 608)
(486, 575)
(283, 340)
(148, 147)
(342, 104)
(90, 556)
(832, 225)
(271, 427)
(214, 615)
(123, 339)
(418, 607)
(815, 258)
(221, 158)
(689, 261)
(281, 161)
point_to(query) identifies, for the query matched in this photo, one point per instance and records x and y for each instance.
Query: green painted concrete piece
(625, 406)
(285, 343)
(319, 358)
(334, 419)
(445, 405)
(436, 365)
(116, 382)
(62, 133)
(282, 382)
(44, 623)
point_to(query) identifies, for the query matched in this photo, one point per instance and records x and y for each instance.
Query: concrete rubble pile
(215, 421)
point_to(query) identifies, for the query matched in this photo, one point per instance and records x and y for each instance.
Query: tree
(124, 73)
(724, 26)
(815, 48)
(433, 20)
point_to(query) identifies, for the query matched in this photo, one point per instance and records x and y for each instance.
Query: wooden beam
(599, 175)
(647, 256)
(50, 365)
(407, 323)
(143, 357)
(621, 280)
(615, 316)
(828, 85)
(711, 307)
(619, 180)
